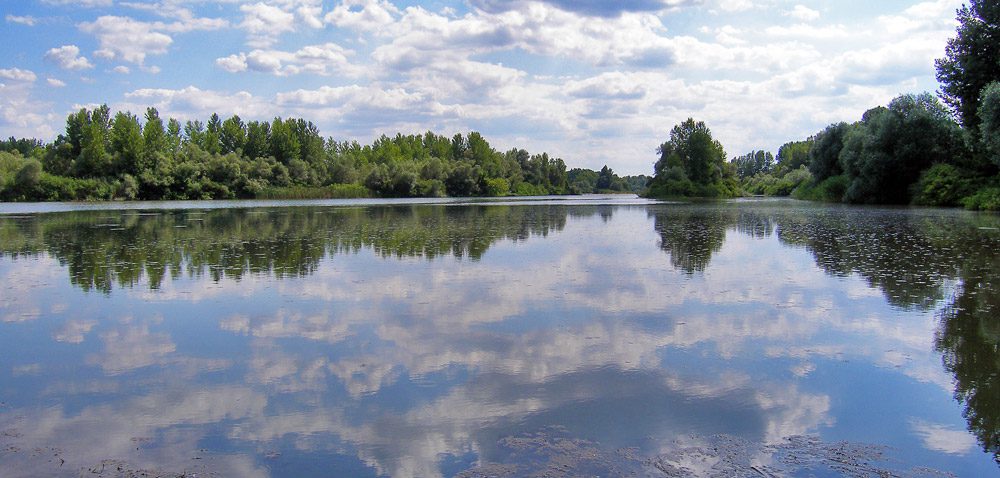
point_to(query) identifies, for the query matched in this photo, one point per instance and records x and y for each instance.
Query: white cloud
(803, 13)
(324, 59)
(127, 39)
(74, 331)
(264, 23)
(233, 63)
(943, 438)
(363, 15)
(68, 58)
(935, 15)
(735, 5)
(183, 19)
(792, 69)
(17, 74)
(194, 103)
(395, 98)
(122, 38)
(23, 20)
(55, 82)
(121, 69)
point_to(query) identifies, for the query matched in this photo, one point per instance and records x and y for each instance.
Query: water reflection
(106, 248)
(969, 340)
(305, 341)
(690, 235)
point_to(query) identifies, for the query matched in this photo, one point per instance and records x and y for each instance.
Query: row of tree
(912, 151)
(119, 156)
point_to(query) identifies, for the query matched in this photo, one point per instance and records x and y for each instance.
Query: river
(593, 335)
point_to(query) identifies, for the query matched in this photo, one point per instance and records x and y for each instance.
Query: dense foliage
(103, 156)
(911, 151)
(692, 163)
(586, 181)
(972, 60)
(119, 156)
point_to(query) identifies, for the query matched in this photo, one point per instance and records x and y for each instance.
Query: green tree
(154, 136)
(824, 154)
(94, 159)
(24, 146)
(791, 156)
(972, 59)
(232, 135)
(463, 180)
(582, 181)
(605, 179)
(173, 137)
(753, 163)
(258, 140)
(889, 149)
(194, 132)
(989, 117)
(692, 147)
(284, 144)
(127, 144)
(692, 163)
(210, 142)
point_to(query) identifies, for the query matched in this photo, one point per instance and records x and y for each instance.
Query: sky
(593, 82)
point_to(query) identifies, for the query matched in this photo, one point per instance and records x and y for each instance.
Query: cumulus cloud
(194, 103)
(55, 82)
(363, 15)
(803, 13)
(324, 59)
(68, 58)
(17, 74)
(587, 7)
(264, 23)
(127, 39)
(122, 38)
(542, 61)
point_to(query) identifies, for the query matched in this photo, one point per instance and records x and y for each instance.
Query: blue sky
(590, 81)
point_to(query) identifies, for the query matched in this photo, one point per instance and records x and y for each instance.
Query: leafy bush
(942, 185)
(829, 190)
(987, 199)
(769, 185)
(334, 191)
(528, 189)
(497, 187)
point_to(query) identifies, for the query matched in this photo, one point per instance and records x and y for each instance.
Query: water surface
(600, 335)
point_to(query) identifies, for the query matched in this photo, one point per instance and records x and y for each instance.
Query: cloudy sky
(590, 81)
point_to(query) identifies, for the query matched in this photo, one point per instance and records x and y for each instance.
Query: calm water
(602, 336)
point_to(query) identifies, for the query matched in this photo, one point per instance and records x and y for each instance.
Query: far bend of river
(588, 336)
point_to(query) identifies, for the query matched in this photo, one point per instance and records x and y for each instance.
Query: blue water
(585, 335)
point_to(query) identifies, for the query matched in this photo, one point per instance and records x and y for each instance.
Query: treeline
(103, 156)
(909, 152)
(914, 150)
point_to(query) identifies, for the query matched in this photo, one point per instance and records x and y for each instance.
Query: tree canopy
(692, 163)
(116, 155)
(972, 59)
